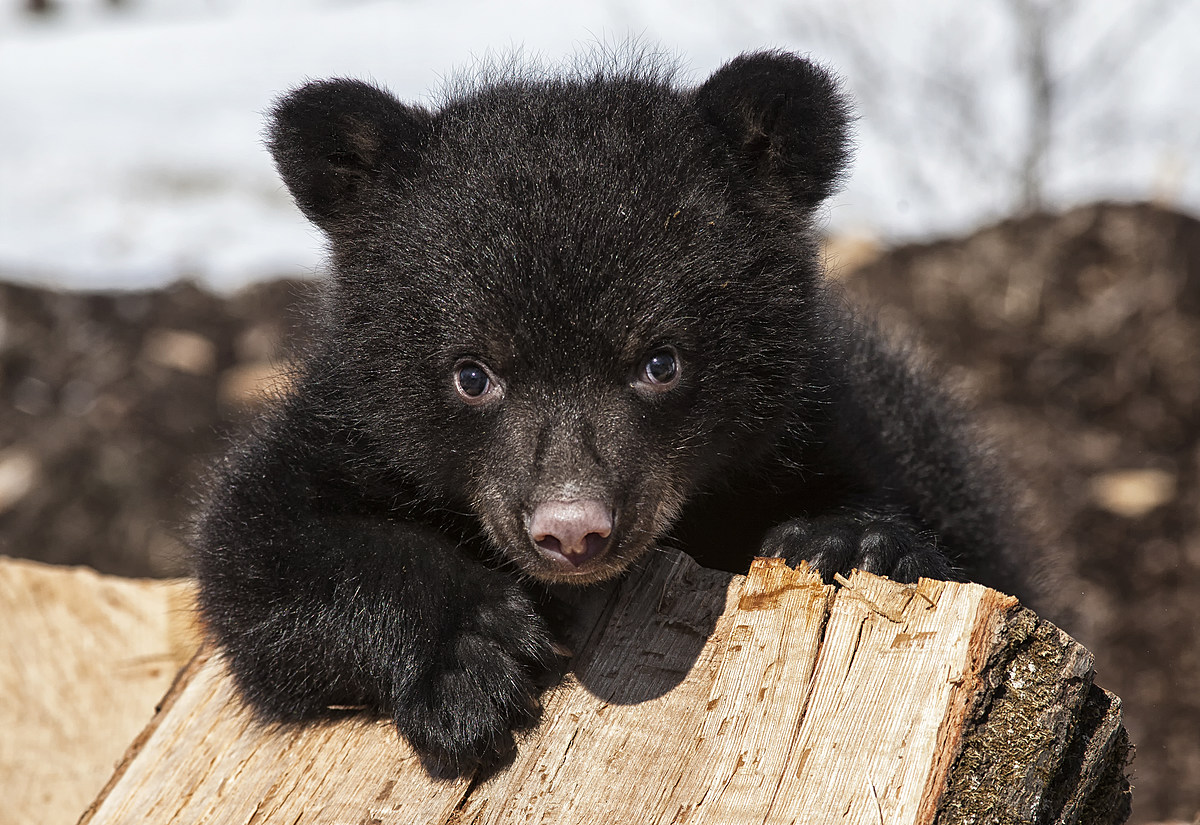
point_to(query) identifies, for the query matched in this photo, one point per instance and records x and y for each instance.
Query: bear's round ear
(780, 117)
(331, 139)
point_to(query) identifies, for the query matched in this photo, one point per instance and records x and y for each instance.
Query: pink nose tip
(571, 531)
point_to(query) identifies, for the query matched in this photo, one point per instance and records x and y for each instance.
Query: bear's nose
(571, 531)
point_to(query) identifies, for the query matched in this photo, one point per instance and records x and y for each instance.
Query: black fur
(371, 545)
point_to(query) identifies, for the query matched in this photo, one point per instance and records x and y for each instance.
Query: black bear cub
(571, 317)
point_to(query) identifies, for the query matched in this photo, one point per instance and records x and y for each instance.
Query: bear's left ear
(783, 117)
(333, 139)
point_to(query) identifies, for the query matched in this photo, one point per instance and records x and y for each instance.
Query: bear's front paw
(461, 714)
(884, 544)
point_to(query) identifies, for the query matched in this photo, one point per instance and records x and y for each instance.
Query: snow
(131, 150)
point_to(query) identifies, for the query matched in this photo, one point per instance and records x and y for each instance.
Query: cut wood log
(84, 658)
(699, 697)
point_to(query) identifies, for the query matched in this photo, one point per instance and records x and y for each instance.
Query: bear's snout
(571, 532)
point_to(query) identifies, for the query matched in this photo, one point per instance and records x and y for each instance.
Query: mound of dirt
(1077, 336)
(114, 403)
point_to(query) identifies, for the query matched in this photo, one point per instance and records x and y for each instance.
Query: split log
(84, 658)
(699, 697)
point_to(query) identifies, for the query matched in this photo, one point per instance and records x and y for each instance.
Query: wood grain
(698, 697)
(84, 658)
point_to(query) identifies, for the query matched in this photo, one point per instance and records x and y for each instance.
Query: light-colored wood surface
(695, 697)
(84, 659)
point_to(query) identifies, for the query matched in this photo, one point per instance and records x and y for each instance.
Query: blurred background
(1023, 203)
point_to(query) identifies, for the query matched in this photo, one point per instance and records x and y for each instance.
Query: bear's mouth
(599, 558)
(552, 566)
(576, 556)
(578, 541)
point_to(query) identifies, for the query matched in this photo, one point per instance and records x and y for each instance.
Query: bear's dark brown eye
(660, 370)
(474, 382)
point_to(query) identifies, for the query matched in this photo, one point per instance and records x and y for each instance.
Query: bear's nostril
(550, 544)
(594, 544)
(571, 531)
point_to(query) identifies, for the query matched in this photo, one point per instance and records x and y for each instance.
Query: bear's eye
(660, 370)
(474, 382)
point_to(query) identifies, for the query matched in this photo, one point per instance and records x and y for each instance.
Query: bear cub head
(565, 304)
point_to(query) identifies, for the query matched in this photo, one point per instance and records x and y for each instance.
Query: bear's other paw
(881, 543)
(461, 713)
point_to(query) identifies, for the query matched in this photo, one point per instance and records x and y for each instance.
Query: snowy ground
(130, 147)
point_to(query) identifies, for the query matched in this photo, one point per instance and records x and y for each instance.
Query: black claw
(881, 543)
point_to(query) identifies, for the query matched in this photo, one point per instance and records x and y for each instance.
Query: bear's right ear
(332, 139)
(780, 118)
